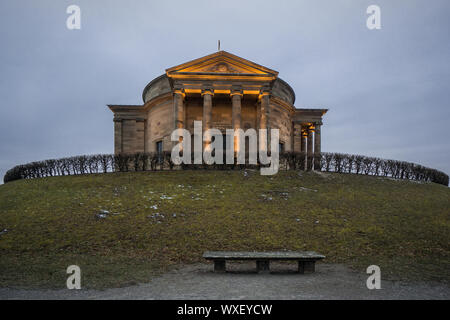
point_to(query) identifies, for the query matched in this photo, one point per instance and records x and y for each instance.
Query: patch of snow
(307, 189)
(265, 197)
(321, 174)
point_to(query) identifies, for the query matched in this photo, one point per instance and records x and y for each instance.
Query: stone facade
(223, 91)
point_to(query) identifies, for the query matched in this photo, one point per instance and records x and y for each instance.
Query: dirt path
(199, 282)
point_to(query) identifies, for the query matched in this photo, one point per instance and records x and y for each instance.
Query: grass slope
(154, 221)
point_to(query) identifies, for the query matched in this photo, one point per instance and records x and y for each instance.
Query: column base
(263, 266)
(317, 158)
(219, 266)
(309, 163)
(306, 267)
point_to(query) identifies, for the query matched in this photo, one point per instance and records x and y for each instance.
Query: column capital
(263, 92)
(209, 91)
(179, 90)
(318, 123)
(304, 131)
(236, 90)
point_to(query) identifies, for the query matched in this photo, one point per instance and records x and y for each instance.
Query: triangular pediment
(221, 63)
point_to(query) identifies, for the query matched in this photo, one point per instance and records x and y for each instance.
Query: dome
(161, 85)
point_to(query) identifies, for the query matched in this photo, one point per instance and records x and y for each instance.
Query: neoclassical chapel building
(223, 91)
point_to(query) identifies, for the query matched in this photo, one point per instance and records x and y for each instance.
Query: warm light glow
(262, 94)
(221, 91)
(251, 91)
(193, 90)
(236, 93)
(179, 91)
(230, 76)
(207, 91)
(236, 144)
(210, 64)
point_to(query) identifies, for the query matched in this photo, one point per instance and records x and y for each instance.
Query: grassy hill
(122, 228)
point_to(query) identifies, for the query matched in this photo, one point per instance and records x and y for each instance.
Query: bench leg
(306, 267)
(219, 266)
(263, 266)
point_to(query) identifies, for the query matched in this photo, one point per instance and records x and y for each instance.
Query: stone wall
(221, 112)
(156, 87)
(160, 119)
(230, 91)
(193, 112)
(129, 135)
(141, 133)
(280, 118)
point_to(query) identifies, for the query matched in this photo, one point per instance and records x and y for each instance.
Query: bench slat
(254, 255)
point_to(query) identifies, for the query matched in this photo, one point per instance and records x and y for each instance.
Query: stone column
(317, 147)
(258, 115)
(264, 116)
(207, 95)
(296, 137)
(303, 136)
(178, 113)
(236, 96)
(139, 145)
(147, 135)
(117, 136)
(309, 152)
(178, 108)
(292, 136)
(128, 135)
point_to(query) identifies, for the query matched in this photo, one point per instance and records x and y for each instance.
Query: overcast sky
(387, 90)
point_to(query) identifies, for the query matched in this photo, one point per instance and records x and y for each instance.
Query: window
(159, 151)
(159, 147)
(280, 147)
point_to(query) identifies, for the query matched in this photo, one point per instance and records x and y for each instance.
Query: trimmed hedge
(326, 161)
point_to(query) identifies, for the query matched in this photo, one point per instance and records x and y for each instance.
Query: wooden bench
(306, 259)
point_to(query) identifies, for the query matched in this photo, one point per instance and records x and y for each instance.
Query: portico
(223, 91)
